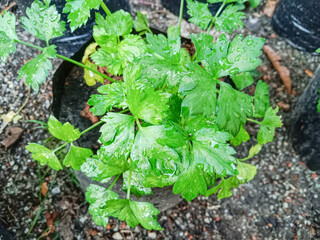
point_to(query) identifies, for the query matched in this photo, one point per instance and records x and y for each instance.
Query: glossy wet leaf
(261, 99)
(36, 70)
(202, 42)
(268, 125)
(141, 24)
(191, 183)
(137, 187)
(246, 174)
(200, 90)
(76, 157)
(98, 196)
(233, 109)
(79, 11)
(117, 135)
(242, 80)
(90, 77)
(230, 19)
(43, 21)
(134, 213)
(254, 150)
(7, 35)
(65, 132)
(243, 136)
(112, 96)
(119, 23)
(199, 13)
(254, 3)
(44, 155)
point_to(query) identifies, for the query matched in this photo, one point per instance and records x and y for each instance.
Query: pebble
(117, 236)
(55, 190)
(15, 168)
(152, 235)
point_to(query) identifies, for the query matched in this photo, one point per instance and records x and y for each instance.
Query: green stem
(129, 186)
(180, 14)
(251, 120)
(215, 16)
(125, 110)
(138, 123)
(69, 60)
(114, 181)
(105, 8)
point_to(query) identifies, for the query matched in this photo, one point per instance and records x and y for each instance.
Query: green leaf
(233, 109)
(238, 56)
(137, 187)
(246, 174)
(146, 103)
(43, 21)
(201, 42)
(7, 35)
(65, 132)
(242, 80)
(268, 125)
(134, 213)
(254, 150)
(141, 24)
(98, 196)
(200, 90)
(199, 13)
(36, 70)
(230, 18)
(131, 47)
(261, 99)
(254, 3)
(79, 11)
(113, 97)
(119, 23)
(110, 60)
(76, 157)
(159, 164)
(191, 183)
(117, 135)
(89, 76)
(242, 136)
(318, 50)
(44, 155)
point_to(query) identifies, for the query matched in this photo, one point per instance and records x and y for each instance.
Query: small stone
(55, 191)
(152, 235)
(15, 168)
(117, 236)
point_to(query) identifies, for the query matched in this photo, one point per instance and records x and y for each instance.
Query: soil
(282, 202)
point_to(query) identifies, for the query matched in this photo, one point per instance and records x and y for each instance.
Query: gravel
(282, 202)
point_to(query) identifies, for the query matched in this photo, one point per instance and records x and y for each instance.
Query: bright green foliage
(268, 125)
(191, 183)
(117, 135)
(230, 18)
(36, 70)
(7, 35)
(137, 186)
(318, 50)
(202, 42)
(134, 213)
(43, 21)
(233, 109)
(65, 132)
(98, 196)
(89, 76)
(76, 156)
(44, 155)
(141, 25)
(246, 174)
(261, 99)
(254, 150)
(199, 13)
(242, 80)
(79, 11)
(119, 23)
(254, 3)
(242, 136)
(113, 96)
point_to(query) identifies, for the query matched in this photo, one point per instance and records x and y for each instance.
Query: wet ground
(282, 202)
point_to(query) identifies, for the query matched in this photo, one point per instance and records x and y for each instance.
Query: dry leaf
(87, 114)
(270, 7)
(12, 135)
(8, 117)
(283, 72)
(50, 224)
(44, 189)
(90, 232)
(309, 73)
(284, 106)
